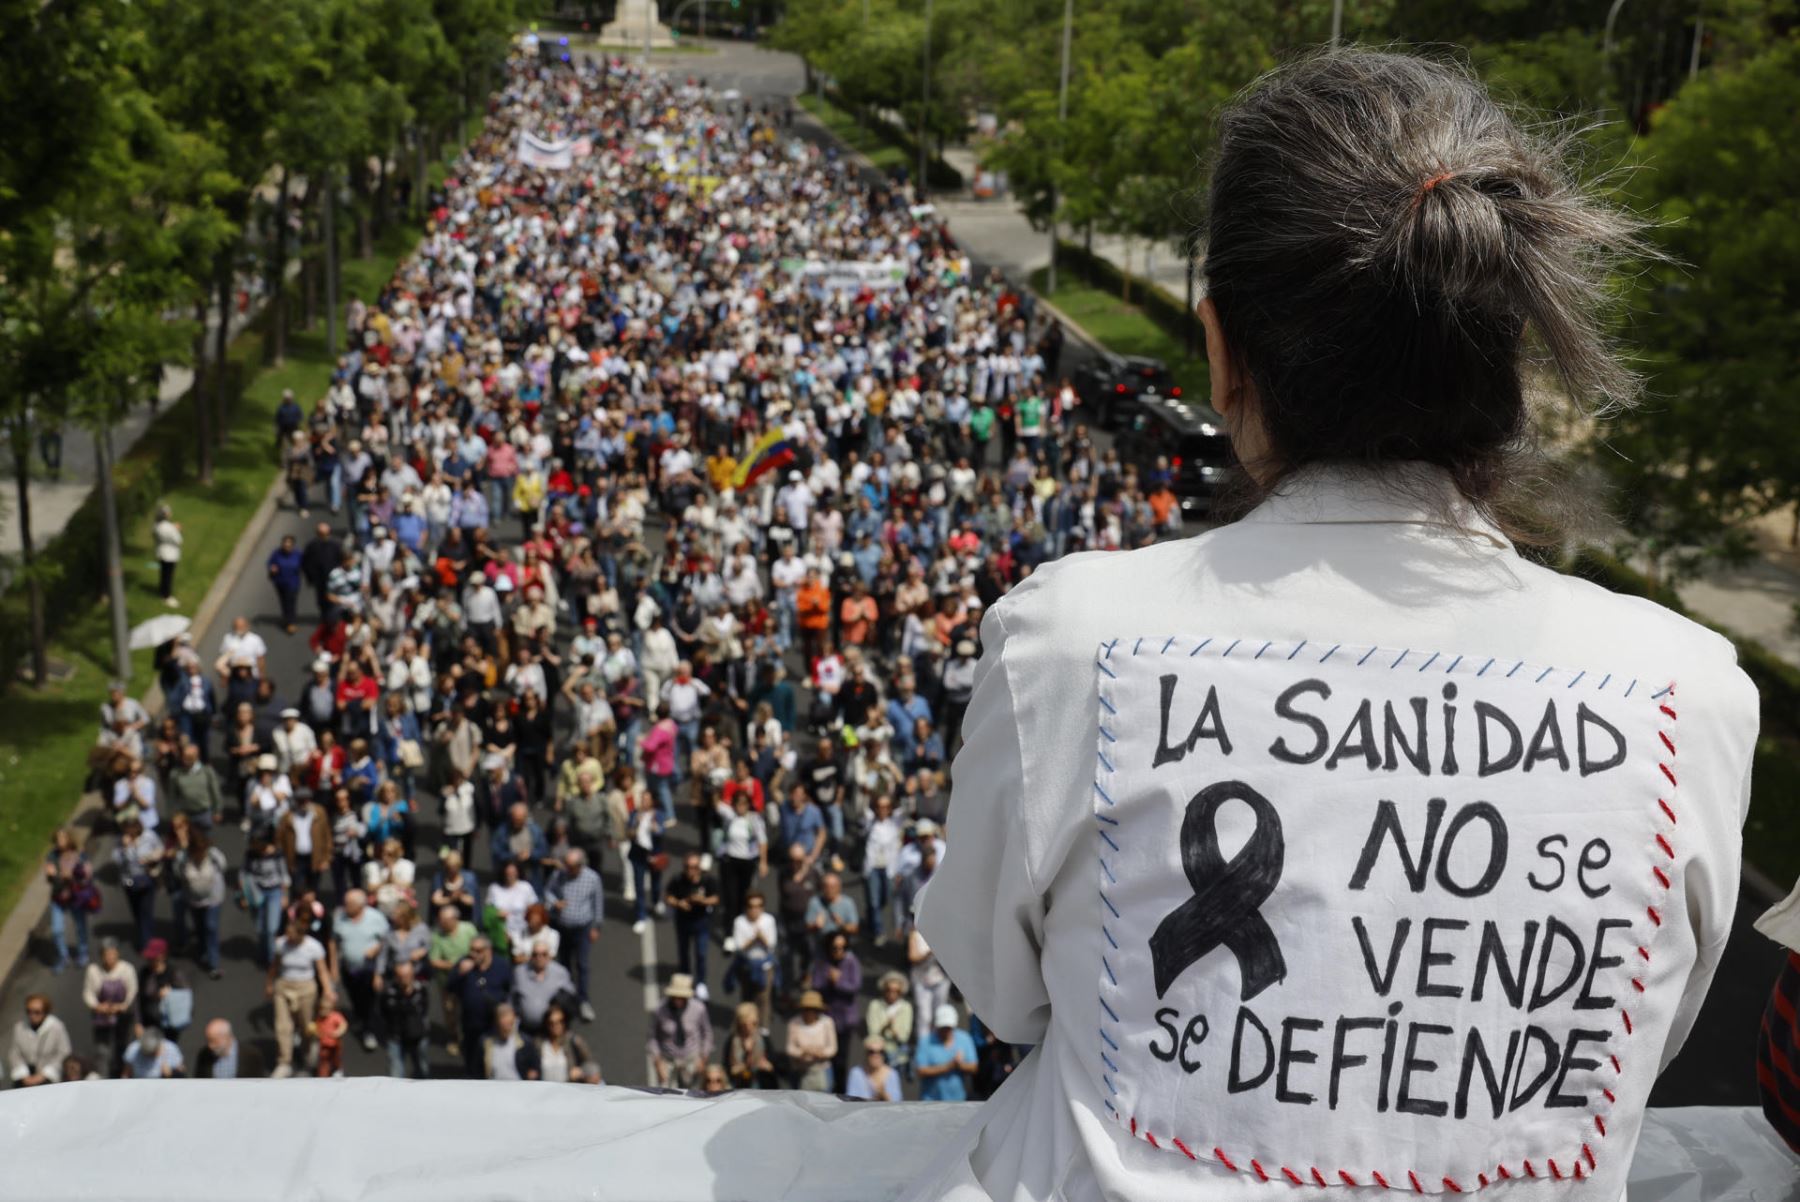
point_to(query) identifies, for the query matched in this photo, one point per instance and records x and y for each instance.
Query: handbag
(659, 862)
(412, 756)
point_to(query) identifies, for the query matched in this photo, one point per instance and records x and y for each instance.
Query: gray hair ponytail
(1391, 254)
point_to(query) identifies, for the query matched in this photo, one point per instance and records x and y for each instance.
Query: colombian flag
(772, 451)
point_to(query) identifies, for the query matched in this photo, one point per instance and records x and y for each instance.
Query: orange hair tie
(1429, 184)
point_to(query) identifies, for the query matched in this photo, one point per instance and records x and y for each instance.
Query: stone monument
(631, 22)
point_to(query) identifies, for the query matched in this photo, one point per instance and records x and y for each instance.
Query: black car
(1189, 435)
(1107, 382)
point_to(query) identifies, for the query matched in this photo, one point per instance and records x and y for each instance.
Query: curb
(15, 932)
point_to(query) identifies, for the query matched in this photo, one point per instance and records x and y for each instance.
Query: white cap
(946, 1016)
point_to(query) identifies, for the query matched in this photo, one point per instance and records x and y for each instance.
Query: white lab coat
(1334, 558)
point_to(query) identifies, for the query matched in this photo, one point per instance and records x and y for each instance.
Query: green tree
(1715, 443)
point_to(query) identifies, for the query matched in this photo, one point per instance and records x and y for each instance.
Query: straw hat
(810, 1000)
(682, 985)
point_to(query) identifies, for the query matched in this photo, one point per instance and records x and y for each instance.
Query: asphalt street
(628, 970)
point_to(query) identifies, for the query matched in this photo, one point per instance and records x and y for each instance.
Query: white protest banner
(534, 151)
(1382, 917)
(848, 275)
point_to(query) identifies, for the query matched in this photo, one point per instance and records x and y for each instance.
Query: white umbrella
(158, 630)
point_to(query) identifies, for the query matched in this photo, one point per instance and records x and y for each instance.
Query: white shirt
(744, 932)
(1333, 561)
(249, 643)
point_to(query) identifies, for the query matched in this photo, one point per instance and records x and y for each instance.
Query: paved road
(1716, 1067)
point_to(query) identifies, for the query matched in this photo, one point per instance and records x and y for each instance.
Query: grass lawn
(844, 125)
(1123, 327)
(47, 734)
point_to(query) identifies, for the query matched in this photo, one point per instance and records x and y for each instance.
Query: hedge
(73, 563)
(1168, 312)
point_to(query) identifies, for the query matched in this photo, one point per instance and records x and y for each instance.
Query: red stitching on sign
(1134, 1124)
(1482, 1177)
(1504, 1175)
(1379, 1179)
(1626, 1015)
(1666, 809)
(1654, 916)
(1152, 1139)
(1347, 1179)
(1664, 844)
(1609, 1095)
(1554, 1171)
(1183, 1149)
(1637, 984)
(1667, 773)
(1453, 1187)
(1664, 736)
(1224, 1160)
(1589, 1153)
(1665, 709)
(1259, 1171)
(1417, 1188)
(1616, 1067)
(1292, 1176)
(1529, 1171)
(1645, 953)
(1578, 1173)
(1662, 878)
(1600, 1123)
(1319, 1177)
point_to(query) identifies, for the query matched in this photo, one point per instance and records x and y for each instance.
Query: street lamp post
(1062, 118)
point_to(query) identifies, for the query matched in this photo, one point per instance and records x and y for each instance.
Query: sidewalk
(54, 502)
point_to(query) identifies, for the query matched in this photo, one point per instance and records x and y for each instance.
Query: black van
(1189, 434)
(1107, 383)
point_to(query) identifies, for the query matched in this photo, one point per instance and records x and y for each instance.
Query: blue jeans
(269, 918)
(875, 883)
(334, 487)
(143, 913)
(663, 789)
(60, 918)
(786, 610)
(687, 737)
(834, 823)
(399, 1052)
(206, 933)
(576, 949)
(691, 936)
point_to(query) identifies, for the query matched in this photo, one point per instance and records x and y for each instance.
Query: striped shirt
(581, 895)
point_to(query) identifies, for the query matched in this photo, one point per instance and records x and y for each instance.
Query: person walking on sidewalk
(285, 573)
(167, 533)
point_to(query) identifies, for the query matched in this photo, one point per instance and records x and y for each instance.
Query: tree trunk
(1125, 275)
(382, 180)
(115, 568)
(21, 448)
(420, 199)
(328, 188)
(359, 187)
(277, 340)
(203, 442)
(222, 341)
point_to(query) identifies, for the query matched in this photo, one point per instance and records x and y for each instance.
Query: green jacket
(196, 792)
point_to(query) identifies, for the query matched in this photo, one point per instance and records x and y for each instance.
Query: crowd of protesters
(670, 487)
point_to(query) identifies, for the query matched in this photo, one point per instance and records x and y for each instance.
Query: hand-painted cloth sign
(547, 155)
(1380, 917)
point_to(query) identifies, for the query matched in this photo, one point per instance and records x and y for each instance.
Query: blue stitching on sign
(1485, 667)
(1633, 685)
(1403, 655)
(1109, 1063)
(1109, 735)
(1108, 821)
(1604, 682)
(1265, 647)
(1365, 658)
(1110, 906)
(1332, 652)
(1452, 666)
(1109, 972)
(1109, 648)
(1106, 669)
(1429, 662)
(1541, 675)
(1199, 649)
(1136, 645)
(1577, 679)
(1231, 648)
(1108, 1040)
(1109, 936)
(1111, 1107)
(1109, 874)
(1515, 668)
(1167, 645)
(1296, 650)
(1109, 1010)
(1108, 707)
(1107, 837)
(1111, 1086)
(1104, 762)
(1663, 692)
(1109, 801)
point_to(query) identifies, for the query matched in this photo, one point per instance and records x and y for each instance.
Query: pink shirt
(658, 748)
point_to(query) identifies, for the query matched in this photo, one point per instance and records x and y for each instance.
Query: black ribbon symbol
(1225, 907)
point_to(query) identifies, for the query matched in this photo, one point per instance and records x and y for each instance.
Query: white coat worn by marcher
(1340, 848)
